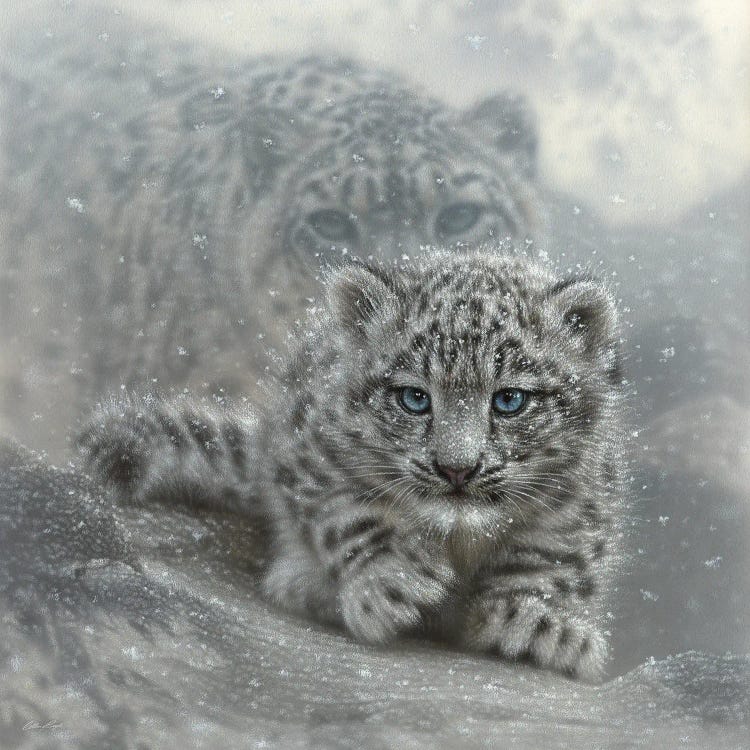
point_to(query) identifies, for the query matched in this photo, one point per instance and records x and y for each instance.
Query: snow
(121, 652)
(120, 626)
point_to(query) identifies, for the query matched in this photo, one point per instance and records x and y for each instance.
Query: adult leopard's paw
(528, 628)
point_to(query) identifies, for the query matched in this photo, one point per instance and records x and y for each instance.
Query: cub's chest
(469, 551)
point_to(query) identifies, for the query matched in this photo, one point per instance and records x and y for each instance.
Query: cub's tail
(179, 451)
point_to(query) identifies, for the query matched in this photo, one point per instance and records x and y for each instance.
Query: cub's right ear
(585, 310)
(360, 296)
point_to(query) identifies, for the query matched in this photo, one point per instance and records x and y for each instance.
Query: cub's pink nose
(457, 476)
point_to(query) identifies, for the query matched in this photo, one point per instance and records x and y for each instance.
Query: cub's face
(483, 390)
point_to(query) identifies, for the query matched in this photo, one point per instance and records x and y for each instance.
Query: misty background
(643, 114)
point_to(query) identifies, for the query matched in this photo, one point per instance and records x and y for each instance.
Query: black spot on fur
(395, 595)
(379, 551)
(306, 533)
(516, 567)
(412, 556)
(203, 434)
(362, 526)
(326, 449)
(380, 536)
(476, 307)
(234, 439)
(299, 414)
(564, 284)
(314, 471)
(586, 587)
(171, 429)
(419, 342)
(591, 513)
(330, 538)
(353, 552)
(542, 626)
(285, 477)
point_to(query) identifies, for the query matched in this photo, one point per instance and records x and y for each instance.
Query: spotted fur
(164, 215)
(371, 530)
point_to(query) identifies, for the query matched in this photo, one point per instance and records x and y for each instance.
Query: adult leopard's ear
(361, 297)
(507, 121)
(585, 312)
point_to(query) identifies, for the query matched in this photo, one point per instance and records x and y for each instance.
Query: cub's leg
(342, 563)
(540, 606)
(180, 451)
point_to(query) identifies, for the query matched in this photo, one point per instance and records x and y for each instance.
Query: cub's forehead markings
(439, 346)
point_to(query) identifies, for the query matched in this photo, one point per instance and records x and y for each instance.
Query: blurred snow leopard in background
(165, 218)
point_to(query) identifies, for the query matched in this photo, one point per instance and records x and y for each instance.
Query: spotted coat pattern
(372, 530)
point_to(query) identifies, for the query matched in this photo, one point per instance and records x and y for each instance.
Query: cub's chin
(452, 511)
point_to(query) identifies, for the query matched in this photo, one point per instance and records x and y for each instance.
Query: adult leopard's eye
(414, 400)
(332, 225)
(457, 218)
(509, 402)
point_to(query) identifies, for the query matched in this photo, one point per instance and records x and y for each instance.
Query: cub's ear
(585, 311)
(361, 296)
(508, 123)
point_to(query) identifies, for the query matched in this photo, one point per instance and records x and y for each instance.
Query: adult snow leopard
(441, 455)
(164, 215)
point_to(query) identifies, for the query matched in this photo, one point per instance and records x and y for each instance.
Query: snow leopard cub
(441, 456)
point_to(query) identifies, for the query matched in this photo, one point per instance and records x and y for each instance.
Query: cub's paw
(117, 447)
(391, 597)
(527, 628)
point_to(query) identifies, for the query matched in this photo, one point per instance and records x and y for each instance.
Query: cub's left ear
(586, 311)
(508, 123)
(361, 297)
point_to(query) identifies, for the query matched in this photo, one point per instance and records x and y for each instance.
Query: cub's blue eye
(509, 402)
(414, 400)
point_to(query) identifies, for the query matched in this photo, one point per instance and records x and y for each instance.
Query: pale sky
(643, 108)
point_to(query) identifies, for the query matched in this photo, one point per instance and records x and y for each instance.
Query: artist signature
(33, 726)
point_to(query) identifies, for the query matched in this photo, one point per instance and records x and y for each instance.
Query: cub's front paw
(528, 628)
(391, 597)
